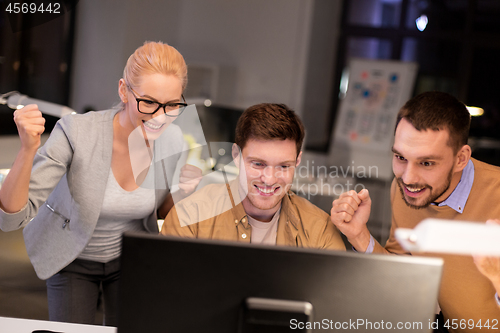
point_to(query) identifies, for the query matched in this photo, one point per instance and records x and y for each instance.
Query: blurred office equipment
(219, 124)
(16, 100)
(203, 84)
(210, 83)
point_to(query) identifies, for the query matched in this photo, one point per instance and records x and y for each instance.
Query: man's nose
(268, 176)
(410, 175)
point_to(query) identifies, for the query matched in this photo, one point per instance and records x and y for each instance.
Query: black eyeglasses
(146, 106)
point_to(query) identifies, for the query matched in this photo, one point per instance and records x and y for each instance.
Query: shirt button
(235, 221)
(243, 220)
(243, 236)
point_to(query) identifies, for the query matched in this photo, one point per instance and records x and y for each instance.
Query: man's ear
(122, 90)
(462, 158)
(235, 152)
(299, 158)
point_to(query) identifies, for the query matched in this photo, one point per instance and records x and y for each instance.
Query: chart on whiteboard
(364, 129)
(376, 91)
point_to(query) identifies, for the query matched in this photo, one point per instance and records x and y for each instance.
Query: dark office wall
(265, 43)
(317, 102)
(35, 58)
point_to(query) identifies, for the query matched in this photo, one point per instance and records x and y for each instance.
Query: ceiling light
(475, 111)
(422, 22)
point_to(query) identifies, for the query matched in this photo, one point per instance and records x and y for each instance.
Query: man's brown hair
(269, 121)
(437, 111)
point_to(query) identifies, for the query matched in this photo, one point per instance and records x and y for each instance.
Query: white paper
(450, 236)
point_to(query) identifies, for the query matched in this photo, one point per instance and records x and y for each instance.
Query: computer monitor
(219, 125)
(218, 122)
(181, 285)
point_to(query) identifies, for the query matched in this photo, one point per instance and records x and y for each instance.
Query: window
(455, 42)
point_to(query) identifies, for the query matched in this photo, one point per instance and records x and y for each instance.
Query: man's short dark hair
(436, 111)
(269, 121)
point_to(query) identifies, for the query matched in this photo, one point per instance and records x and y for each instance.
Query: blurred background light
(421, 22)
(475, 111)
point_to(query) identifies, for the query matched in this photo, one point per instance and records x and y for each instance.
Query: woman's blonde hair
(155, 58)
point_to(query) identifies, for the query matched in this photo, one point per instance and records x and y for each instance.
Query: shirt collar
(460, 194)
(239, 214)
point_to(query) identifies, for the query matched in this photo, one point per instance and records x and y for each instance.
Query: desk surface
(16, 325)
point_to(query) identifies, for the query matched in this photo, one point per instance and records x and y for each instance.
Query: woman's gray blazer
(67, 187)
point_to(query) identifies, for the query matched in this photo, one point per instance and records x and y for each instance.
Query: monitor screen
(219, 125)
(180, 285)
(218, 122)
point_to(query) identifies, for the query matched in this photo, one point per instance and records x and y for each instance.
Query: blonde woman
(77, 194)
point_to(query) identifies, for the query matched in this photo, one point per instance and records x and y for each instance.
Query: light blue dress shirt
(460, 194)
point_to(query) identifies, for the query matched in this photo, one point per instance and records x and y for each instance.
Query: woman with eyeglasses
(77, 194)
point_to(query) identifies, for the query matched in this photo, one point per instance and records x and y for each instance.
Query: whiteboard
(364, 130)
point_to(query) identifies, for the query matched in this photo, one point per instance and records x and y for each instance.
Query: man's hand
(189, 179)
(490, 266)
(350, 213)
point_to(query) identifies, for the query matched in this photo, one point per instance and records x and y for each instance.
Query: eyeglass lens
(172, 109)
